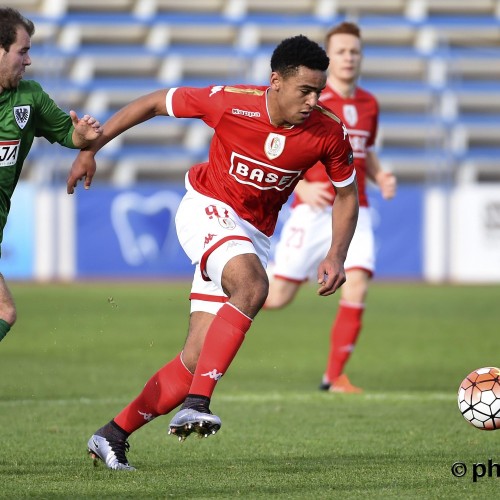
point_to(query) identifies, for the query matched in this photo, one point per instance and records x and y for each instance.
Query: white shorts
(306, 238)
(211, 234)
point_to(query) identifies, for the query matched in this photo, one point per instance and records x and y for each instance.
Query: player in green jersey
(26, 112)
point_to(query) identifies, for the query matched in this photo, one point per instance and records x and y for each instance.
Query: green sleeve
(52, 122)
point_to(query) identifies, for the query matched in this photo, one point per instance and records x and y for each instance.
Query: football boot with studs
(110, 451)
(188, 420)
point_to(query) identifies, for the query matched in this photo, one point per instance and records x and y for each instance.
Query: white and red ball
(479, 398)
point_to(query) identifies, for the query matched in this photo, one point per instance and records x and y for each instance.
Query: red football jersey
(360, 115)
(254, 166)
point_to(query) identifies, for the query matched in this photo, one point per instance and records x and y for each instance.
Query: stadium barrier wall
(423, 234)
(475, 233)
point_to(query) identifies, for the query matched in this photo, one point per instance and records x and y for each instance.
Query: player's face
(13, 63)
(294, 97)
(345, 55)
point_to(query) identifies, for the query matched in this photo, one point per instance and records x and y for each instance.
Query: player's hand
(316, 194)
(83, 168)
(387, 183)
(87, 128)
(331, 276)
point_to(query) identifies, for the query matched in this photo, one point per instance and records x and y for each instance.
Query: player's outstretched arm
(331, 273)
(142, 109)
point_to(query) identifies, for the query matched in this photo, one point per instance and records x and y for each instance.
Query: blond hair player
(306, 234)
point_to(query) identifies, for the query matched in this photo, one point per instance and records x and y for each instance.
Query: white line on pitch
(254, 397)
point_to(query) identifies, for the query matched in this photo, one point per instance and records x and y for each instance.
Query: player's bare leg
(213, 342)
(281, 293)
(8, 314)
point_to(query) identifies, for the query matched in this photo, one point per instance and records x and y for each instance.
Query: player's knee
(8, 313)
(281, 293)
(275, 300)
(258, 292)
(250, 296)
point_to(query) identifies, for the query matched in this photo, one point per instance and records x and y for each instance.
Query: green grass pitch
(80, 352)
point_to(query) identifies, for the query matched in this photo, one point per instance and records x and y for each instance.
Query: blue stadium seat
(433, 65)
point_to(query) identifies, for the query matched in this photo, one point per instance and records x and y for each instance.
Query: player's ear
(275, 80)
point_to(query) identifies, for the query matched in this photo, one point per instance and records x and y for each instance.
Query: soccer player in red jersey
(303, 240)
(265, 139)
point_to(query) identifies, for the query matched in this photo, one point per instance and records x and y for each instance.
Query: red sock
(224, 337)
(163, 392)
(343, 336)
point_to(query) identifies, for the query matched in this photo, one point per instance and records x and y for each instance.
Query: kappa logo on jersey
(261, 175)
(275, 144)
(243, 112)
(344, 130)
(208, 238)
(8, 152)
(147, 416)
(350, 114)
(213, 374)
(215, 89)
(22, 115)
(232, 244)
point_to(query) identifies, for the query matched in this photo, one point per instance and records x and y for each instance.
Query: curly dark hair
(10, 20)
(298, 51)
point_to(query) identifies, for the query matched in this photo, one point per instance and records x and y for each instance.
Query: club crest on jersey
(22, 115)
(227, 223)
(275, 144)
(350, 114)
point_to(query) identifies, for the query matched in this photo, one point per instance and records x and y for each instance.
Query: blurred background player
(265, 138)
(26, 111)
(306, 234)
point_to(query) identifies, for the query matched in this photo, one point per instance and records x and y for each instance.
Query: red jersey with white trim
(254, 166)
(360, 115)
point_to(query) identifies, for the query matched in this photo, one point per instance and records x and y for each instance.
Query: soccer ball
(479, 398)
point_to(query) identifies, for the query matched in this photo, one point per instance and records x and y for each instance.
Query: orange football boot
(343, 384)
